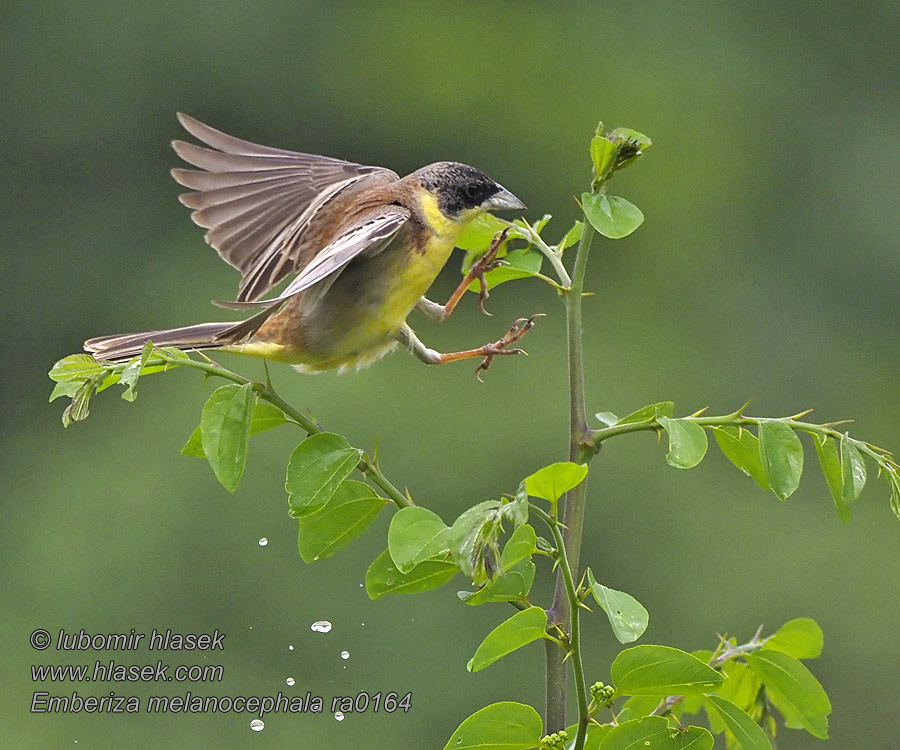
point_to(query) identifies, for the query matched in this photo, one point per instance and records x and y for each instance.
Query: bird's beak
(502, 200)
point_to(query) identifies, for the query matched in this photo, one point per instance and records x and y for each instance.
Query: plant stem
(555, 260)
(580, 451)
(268, 393)
(574, 651)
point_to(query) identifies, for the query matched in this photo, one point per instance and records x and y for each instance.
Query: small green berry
(555, 741)
(602, 694)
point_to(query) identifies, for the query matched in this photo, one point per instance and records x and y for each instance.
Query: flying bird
(360, 244)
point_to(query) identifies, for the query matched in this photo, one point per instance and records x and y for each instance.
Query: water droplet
(262, 543)
(390, 581)
(251, 627)
(345, 654)
(257, 725)
(360, 585)
(339, 716)
(290, 682)
(321, 626)
(363, 624)
(291, 647)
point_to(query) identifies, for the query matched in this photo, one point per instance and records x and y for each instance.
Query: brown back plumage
(259, 203)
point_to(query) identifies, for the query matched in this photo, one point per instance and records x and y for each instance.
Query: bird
(361, 244)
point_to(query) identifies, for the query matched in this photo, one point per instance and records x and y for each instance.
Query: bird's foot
(487, 262)
(501, 346)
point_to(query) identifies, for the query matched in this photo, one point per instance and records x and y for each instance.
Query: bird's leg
(408, 338)
(487, 262)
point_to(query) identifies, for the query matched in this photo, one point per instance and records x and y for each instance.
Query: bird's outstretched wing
(256, 201)
(372, 234)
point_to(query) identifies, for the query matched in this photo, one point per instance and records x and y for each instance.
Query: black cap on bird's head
(460, 188)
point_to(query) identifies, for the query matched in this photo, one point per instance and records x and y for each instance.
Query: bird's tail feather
(199, 336)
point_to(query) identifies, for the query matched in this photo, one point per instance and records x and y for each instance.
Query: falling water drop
(345, 654)
(257, 725)
(291, 647)
(321, 626)
(290, 681)
(263, 542)
(339, 716)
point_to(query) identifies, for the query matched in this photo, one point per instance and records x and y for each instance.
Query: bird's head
(462, 192)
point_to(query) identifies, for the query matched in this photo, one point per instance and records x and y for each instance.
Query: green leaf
(603, 155)
(654, 733)
(555, 480)
(853, 470)
(801, 638)
(225, 426)
(626, 614)
(636, 707)
(513, 585)
(571, 237)
(830, 461)
(781, 455)
(894, 478)
(347, 515)
(517, 264)
(75, 367)
(383, 578)
(465, 531)
(748, 733)
(519, 630)
(500, 726)
(521, 545)
(129, 377)
(741, 685)
(517, 509)
(265, 417)
(687, 442)
(480, 233)
(793, 690)
(468, 520)
(651, 411)
(610, 215)
(415, 535)
(662, 670)
(741, 447)
(65, 388)
(316, 469)
(133, 370)
(79, 409)
(627, 134)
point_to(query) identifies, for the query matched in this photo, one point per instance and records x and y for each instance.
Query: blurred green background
(768, 267)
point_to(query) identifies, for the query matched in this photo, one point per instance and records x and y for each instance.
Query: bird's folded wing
(373, 234)
(256, 200)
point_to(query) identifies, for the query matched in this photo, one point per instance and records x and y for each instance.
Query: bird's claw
(486, 263)
(501, 347)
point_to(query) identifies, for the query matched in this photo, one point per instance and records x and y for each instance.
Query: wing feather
(370, 237)
(256, 201)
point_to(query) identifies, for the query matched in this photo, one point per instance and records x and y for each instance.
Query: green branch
(881, 457)
(165, 358)
(563, 608)
(574, 651)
